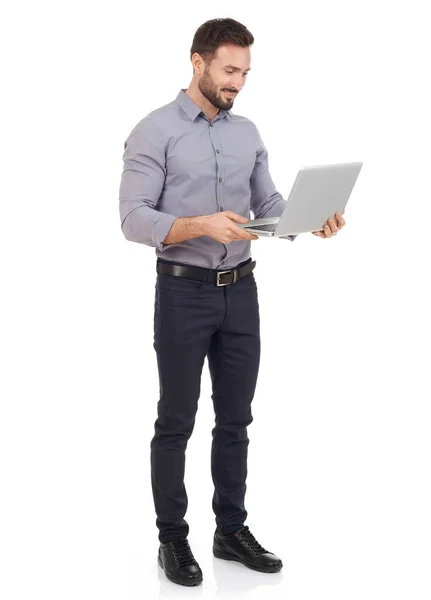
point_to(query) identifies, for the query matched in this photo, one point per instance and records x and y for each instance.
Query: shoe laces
(182, 553)
(247, 539)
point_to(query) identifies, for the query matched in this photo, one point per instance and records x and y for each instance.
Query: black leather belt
(219, 278)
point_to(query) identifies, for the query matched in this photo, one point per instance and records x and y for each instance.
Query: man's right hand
(221, 227)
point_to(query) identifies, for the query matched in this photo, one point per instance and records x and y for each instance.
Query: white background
(339, 455)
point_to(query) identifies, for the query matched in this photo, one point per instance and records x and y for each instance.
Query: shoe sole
(180, 581)
(226, 556)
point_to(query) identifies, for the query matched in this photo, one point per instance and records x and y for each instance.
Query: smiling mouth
(231, 95)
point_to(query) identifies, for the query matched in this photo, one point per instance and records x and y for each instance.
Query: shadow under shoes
(178, 562)
(243, 547)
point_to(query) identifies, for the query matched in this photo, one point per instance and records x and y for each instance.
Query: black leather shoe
(178, 562)
(243, 547)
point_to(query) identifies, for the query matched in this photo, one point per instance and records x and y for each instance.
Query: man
(192, 170)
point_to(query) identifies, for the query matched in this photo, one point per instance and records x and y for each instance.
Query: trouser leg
(233, 358)
(184, 319)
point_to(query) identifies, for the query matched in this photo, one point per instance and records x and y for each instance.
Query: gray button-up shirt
(177, 163)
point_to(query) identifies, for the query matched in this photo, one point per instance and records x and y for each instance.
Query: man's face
(226, 73)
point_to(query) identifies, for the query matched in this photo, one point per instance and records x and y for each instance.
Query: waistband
(181, 264)
(217, 276)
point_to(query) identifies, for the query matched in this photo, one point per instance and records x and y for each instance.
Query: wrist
(202, 224)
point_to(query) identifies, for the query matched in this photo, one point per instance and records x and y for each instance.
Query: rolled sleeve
(161, 225)
(142, 182)
(265, 200)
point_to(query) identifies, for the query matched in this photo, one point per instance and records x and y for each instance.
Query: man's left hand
(332, 227)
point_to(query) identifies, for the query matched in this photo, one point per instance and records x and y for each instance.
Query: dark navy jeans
(194, 320)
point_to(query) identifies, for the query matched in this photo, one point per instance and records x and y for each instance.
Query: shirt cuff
(162, 223)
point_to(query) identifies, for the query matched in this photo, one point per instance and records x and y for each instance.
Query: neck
(204, 104)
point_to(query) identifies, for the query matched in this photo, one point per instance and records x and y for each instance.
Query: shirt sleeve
(142, 181)
(265, 200)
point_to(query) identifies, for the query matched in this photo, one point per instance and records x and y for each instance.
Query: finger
(327, 231)
(239, 233)
(340, 220)
(248, 236)
(332, 225)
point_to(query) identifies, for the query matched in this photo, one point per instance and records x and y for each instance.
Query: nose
(237, 84)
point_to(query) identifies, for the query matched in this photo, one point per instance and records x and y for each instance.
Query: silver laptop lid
(319, 191)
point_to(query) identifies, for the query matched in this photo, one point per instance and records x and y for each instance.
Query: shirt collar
(192, 109)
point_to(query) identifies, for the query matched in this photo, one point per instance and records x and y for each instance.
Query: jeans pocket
(178, 285)
(248, 279)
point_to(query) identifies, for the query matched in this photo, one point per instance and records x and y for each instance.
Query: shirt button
(220, 179)
(221, 208)
(218, 151)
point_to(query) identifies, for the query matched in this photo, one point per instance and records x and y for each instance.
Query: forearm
(185, 228)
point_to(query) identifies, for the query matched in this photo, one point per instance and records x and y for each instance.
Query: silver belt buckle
(235, 277)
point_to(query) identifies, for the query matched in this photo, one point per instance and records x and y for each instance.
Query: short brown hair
(219, 32)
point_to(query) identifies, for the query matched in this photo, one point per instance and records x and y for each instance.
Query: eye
(230, 72)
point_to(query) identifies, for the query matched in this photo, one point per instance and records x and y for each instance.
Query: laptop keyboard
(266, 227)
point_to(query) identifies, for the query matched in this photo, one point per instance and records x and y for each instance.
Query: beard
(209, 90)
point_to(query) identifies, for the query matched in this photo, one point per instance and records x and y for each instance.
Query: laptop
(319, 191)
